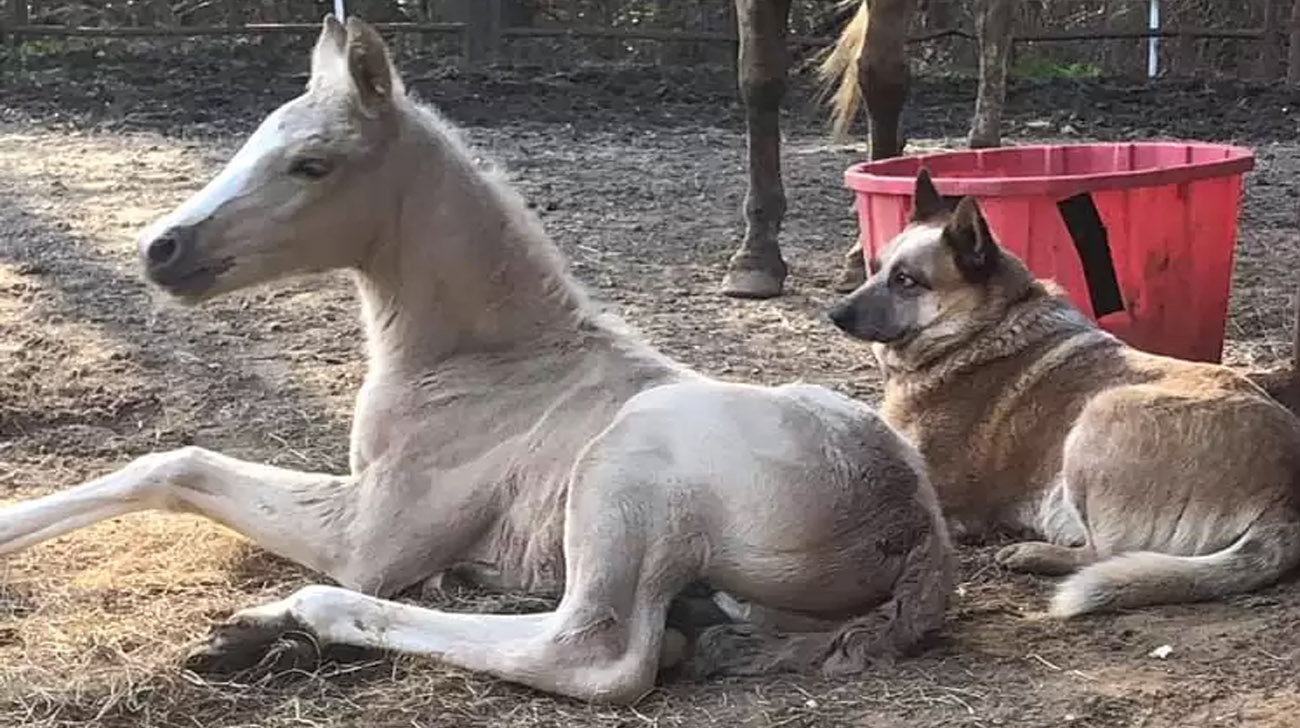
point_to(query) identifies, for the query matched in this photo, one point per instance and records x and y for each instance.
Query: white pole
(338, 9)
(1153, 43)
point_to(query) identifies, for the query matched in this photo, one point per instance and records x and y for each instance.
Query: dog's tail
(1259, 557)
(900, 625)
(839, 70)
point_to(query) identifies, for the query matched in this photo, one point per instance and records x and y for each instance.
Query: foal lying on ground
(507, 430)
(1150, 479)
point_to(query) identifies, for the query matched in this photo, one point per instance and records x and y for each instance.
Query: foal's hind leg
(299, 516)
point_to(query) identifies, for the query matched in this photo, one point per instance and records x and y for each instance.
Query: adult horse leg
(883, 79)
(757, 270)
(993, 32)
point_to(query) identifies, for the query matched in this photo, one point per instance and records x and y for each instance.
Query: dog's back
(1187, 486)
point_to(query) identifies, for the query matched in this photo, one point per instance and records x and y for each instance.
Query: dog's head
(938, 283)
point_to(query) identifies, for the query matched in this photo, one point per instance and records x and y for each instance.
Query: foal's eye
(310, 168)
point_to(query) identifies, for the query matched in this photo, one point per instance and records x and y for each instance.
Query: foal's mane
(530, 239)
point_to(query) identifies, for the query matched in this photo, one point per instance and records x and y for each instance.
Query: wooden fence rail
(481, 39)
(680, 36)
(208, 30)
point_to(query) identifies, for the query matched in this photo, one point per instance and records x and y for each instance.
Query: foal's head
(305, 192)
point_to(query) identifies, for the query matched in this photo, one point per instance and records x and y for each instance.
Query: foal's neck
(463, 267)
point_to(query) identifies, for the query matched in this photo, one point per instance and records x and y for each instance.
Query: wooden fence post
(482, 35)
(1266, 70)
(17, 18)
(1293, 52)
(234, 13)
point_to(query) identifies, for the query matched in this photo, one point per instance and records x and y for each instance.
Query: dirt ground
(639, 175)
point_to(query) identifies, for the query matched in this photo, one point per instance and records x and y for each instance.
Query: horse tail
(838, 70)
(1262, 555)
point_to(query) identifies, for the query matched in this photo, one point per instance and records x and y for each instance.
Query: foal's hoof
(257, 646)
(751, 283)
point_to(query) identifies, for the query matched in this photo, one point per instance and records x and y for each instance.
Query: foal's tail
(898, 626)
(839, 70)
(1259, 557)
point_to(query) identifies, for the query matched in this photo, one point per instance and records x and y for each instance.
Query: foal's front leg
(625, 560)
(300, 516)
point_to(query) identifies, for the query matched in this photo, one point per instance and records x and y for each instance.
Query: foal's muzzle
(167, 250)
(171, 260)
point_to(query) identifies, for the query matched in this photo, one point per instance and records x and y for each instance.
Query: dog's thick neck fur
(1042, 313)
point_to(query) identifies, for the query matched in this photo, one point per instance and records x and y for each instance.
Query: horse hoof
(851, 278)
(749, 283)
(255, 646)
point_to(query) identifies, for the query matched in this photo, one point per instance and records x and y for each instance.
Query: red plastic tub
(1141, 235)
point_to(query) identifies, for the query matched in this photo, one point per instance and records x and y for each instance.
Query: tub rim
(897, 175)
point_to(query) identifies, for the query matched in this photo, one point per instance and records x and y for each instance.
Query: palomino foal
(507, 430)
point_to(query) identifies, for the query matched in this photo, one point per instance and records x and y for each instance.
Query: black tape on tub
(1093, 245)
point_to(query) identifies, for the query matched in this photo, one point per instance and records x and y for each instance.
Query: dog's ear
(967, 235)
(927, 203)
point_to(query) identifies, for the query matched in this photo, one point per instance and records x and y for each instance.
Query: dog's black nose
(843, 316)
(168, 249)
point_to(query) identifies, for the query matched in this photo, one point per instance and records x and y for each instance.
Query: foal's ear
(968, 238)
(328, 51)
(372, 73)
(927, 203)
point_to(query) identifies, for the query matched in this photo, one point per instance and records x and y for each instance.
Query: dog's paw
(1037, 557)
(1014, 557)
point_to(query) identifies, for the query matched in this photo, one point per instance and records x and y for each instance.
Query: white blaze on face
(235, 180)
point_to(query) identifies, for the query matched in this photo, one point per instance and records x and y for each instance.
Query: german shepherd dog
(1148, 479)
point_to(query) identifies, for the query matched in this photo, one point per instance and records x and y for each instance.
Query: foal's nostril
(169, 248)
(162, 251)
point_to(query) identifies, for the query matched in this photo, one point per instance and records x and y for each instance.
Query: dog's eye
(902, 280)
(310, 168)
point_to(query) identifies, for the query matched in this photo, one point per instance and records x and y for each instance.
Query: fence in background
(1086, 36)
